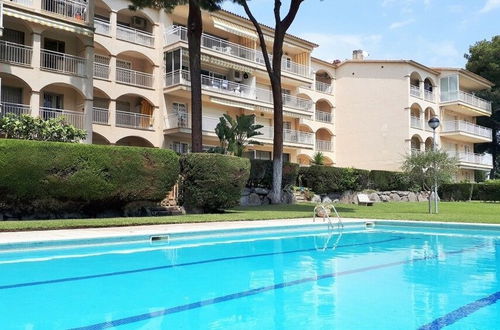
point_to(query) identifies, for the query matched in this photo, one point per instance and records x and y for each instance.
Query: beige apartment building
(124, 77)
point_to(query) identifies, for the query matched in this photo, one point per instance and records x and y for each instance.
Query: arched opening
(100, 107)
(416, 142)
(134, 111)
(134, 26)
(429, 90)
(301, 102)
(16, 42)
(15, 95)
(63, 52)
(327, 161)
(102, 14)
(428, 114)
(324, 140)
(64, 100)
(99, 139)
(102, 57)
(134, 141)
(415, 113)
(428, 144)
(304, 160)
(324, 111)
(415, 80)
(134, 68)
(323, 82)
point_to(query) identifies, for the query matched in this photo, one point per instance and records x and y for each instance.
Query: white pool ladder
(325, 211)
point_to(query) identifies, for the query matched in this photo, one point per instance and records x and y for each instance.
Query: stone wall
(350, 197)
(260, 196)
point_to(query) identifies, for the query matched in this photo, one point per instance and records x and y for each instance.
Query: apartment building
(124, 77)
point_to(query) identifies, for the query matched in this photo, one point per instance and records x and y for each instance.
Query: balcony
(322, 145)
(134, 78)
(324, 88)
(429, 96)
(63, 63)
(459, 99)
(472, 160)
(101, 71)
(415, 91)
(74, 118)
(239, 90)
(289, 135)
(100, 116)
(323, 116)
(68, 8)
(13, 53)
(102, 27)
(179, 33)
(465, 131)
(134, 120)
(14, 108)
(183, 120)
(416, 122)
(27, 3)
(135, 36)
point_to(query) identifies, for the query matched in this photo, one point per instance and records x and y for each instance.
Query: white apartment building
(124, 77)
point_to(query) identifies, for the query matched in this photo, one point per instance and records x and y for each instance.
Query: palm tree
(235, 134)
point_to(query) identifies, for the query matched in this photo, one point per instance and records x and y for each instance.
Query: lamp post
(434, 123)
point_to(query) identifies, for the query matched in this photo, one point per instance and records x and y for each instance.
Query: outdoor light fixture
(434, 123)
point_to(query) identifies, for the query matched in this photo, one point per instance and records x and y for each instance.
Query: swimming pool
(391, 276)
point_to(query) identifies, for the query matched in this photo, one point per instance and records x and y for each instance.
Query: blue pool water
(388, 277)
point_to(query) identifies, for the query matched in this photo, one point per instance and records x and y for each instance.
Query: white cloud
(490, 5)
(400, 24)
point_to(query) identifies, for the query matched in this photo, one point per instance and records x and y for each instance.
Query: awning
(233, 28)
(47, 21)
(286, 113)
(232, 103)
(226, 64)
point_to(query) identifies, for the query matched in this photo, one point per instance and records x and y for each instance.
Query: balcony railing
(429, 96)
(473, 158)
(101, 71)
(467, 98)
(136, 36)
(416, 122)
(466, 127)
(11, 52)
(74, 118)
(323, 116)
(222, 46)
(415, 91)
(102, 27)
(64, 63)
(289, 135)
(323, 145)
(132, 77)
(324, 88)
(239, 90)
(14, 108)
(183, 120)
(27, 3)
(100, 115)
(134, 120)
(69, 8)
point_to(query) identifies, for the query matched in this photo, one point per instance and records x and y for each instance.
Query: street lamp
(434, 123)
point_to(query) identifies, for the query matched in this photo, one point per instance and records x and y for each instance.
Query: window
(13, 36)
(180, 110)
(101, 103)
(265, 155)
(287, 125)
(54, 45)
(123, 106)
(180, 147)
(286, 158)
(52, 101)
(12, 94)
(173, 61)
(449, 88)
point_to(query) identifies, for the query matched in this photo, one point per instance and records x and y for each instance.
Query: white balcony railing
(64, 63)
(102, 27)
(183, 120)
(132, 77)
(14, 108)
(324, 88)
(416, 122)
(101, 70)
(100, 115)
(323, 116)
(323, 145)
(429, 96)
(69, 8)
(136, 36)
(472, 158)
(11, 52)
(239, 90)
(27, 3)
(134, 120)
(289, 135)
(415, 91)
(74, 118)
(470, 99)
(177, 33)
(466, 127)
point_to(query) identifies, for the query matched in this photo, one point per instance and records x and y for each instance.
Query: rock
(261, 191)
(287, 198)
(384, 198)
(316, 199)
(246, 192)
(253, 199)
(412, 197)
(349, 197)
(335, 201)
(394, 197)
(334, 196)
(265, 201)
(403, 193)
(374, 197)
(326, 200)
(404, 198)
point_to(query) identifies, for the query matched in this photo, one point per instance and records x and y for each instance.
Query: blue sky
(432, 32)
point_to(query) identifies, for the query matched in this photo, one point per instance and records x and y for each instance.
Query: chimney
(358, 54)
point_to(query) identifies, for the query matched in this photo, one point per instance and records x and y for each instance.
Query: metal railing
(467, 98)
(177, 33)
(101, 70)
(136, 36)
(11, 52)
(134, 120)
(68, 8)
(473, 158)
(102, 26)
(133, 77)
(100, 115)
(429, 96)
(323, 87)
(183, 120)
(289, 135)
(14, 108)
(74, 118)
(323, 116)
(466, 127)
(27, 3)
(323, 145)
(415, 91)
(60, 62)
(416, 122)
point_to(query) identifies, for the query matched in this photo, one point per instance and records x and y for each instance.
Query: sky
(432, 32)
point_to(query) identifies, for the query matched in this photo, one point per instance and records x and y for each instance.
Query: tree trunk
(494, 153)
(277, 141)
(195, 29)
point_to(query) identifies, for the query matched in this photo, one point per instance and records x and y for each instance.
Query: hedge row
(325, 179)
(486, 191)
(261, 173)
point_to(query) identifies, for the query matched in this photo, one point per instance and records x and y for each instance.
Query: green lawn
(460, 212)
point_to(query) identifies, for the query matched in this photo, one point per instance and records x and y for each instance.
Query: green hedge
(487, 191)
(261, 173)
(212, 182)
(326, 179)
(387, 180)
(34, 172)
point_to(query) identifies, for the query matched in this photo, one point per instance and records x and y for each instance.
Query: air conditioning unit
(138, 22)
(238, 76)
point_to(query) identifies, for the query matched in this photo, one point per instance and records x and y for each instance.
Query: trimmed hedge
(261, 173)
(212, 182)
(91, 176)
(487, 191)
(387, 180)
(326, 179)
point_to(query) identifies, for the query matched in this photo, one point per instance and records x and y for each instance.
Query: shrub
(325, 179)
(459, 191)
(489, 191)
(261, 173)
(212, 182)
(94, 176)
(387, 180)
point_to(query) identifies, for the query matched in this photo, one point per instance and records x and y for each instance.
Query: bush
(326, 179)
(261, 173)
(489, 191)
(96, 177)
(387, 180)
(459, 191)
(212, 182)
